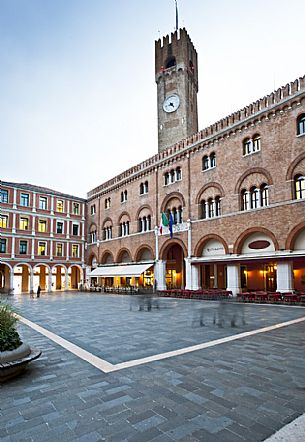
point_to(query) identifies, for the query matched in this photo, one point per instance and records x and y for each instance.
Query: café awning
(120, 270)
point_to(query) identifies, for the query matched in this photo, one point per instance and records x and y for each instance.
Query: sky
(78, 99)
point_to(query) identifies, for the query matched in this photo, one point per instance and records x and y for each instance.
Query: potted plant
(14, 354)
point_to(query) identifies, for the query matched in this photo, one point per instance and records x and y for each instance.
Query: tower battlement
(175, 49)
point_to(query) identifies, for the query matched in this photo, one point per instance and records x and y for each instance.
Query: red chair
(274, 297)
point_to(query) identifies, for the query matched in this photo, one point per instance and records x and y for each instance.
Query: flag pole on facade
(163, 222)
(170, 224)
(176, 15)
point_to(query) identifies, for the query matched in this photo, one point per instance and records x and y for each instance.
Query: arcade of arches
(23, 278)
(253, 263)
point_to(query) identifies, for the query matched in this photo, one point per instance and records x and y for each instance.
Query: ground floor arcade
(255, 262)
(25, 278)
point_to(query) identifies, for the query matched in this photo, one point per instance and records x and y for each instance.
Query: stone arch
(75, 275)
(58, 283)
(6, 270)
(200, 245)
(92, 225)
(7, 264)
(145, 206)
(240, 240)
(140, 249)
(293, 165)
(92, 258)
(170, 196)
(121, 253)
(251, 171)
(107, 220)
(290, 241)
(23, 263)
(60, 265)
(24, 286)
(105, 257)
(122, 215)
(169, 243)
(208, 185)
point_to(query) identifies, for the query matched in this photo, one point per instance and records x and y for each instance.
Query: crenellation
(294, 86)
(302, 83)
(235, 118)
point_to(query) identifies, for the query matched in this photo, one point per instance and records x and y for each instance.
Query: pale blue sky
(78, 97)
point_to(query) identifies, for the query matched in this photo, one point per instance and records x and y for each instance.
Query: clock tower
(176, 74)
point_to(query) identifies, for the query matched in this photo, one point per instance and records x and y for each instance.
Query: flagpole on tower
(177, 27)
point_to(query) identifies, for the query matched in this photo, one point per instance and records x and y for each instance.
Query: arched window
(166, 178)
(254, 193)
(211, 208)
(174, 213)
(107, 232)
(141, 189)
(124, 196)
(264, 195)
(256, 146)
(179, 215)
(299, 185)
(149, 222)
(245, 200)
(213, 159)
(252, 145)
(217, 206)
(92, 236)
(172, 175)
(247, 146)
(203, 209)
(301, 124)
(205, 163)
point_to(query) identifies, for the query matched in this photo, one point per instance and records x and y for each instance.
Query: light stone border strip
(107, 367)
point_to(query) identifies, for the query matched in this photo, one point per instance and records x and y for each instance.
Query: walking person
(38, 291)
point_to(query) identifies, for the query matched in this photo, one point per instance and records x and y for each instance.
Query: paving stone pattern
(244, 390)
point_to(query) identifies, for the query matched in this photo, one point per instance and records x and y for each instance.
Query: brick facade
(44, 235)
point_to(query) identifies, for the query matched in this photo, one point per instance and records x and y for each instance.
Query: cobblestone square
(243, 389)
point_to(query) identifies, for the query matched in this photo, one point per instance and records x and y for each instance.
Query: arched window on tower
(299, 186)
(301, 125)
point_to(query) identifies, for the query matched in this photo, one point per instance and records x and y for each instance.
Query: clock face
(171, 103)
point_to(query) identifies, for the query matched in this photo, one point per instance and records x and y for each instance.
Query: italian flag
(163, 222)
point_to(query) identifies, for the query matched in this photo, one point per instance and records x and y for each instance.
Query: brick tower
(176, 74)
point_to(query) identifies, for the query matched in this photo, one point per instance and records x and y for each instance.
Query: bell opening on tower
(170, 62)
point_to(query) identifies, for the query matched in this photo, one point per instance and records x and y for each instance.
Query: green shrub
(9, 337)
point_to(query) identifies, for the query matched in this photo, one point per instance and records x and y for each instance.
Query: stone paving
(243, 390)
